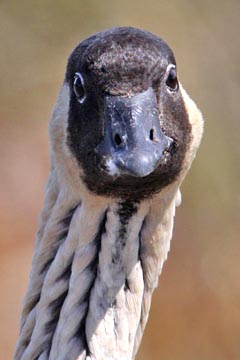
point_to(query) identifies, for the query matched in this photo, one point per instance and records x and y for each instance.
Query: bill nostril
(151, 134)
(118, 139)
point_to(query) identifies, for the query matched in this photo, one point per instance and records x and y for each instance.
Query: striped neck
(90, 279)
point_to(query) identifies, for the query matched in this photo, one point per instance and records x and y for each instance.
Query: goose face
(127, 124)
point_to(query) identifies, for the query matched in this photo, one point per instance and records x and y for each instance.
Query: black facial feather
(121, 60)
(124, 62)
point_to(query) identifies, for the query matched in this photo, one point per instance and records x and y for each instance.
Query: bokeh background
(195, 312)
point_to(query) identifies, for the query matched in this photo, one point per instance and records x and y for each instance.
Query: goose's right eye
(79, 88)
(172, 80)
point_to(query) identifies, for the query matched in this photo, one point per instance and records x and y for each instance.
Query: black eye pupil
(172, 81)
(78, 87)
(79, 90)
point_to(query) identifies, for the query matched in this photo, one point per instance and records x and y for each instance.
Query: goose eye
(79, 88)
(172, 80)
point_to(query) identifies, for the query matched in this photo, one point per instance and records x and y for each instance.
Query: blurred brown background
(195, 314)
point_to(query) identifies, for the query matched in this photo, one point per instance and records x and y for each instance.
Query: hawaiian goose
(123, 136)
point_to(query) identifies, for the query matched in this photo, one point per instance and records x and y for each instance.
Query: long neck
(94, 270)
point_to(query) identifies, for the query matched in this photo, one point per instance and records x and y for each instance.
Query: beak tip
(140, 165)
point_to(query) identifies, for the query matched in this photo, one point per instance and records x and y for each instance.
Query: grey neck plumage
(94, 271)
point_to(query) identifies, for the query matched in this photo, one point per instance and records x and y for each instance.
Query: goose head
(127, 125)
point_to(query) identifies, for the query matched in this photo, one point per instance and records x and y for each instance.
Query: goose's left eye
(172, 80)
(79, 87)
